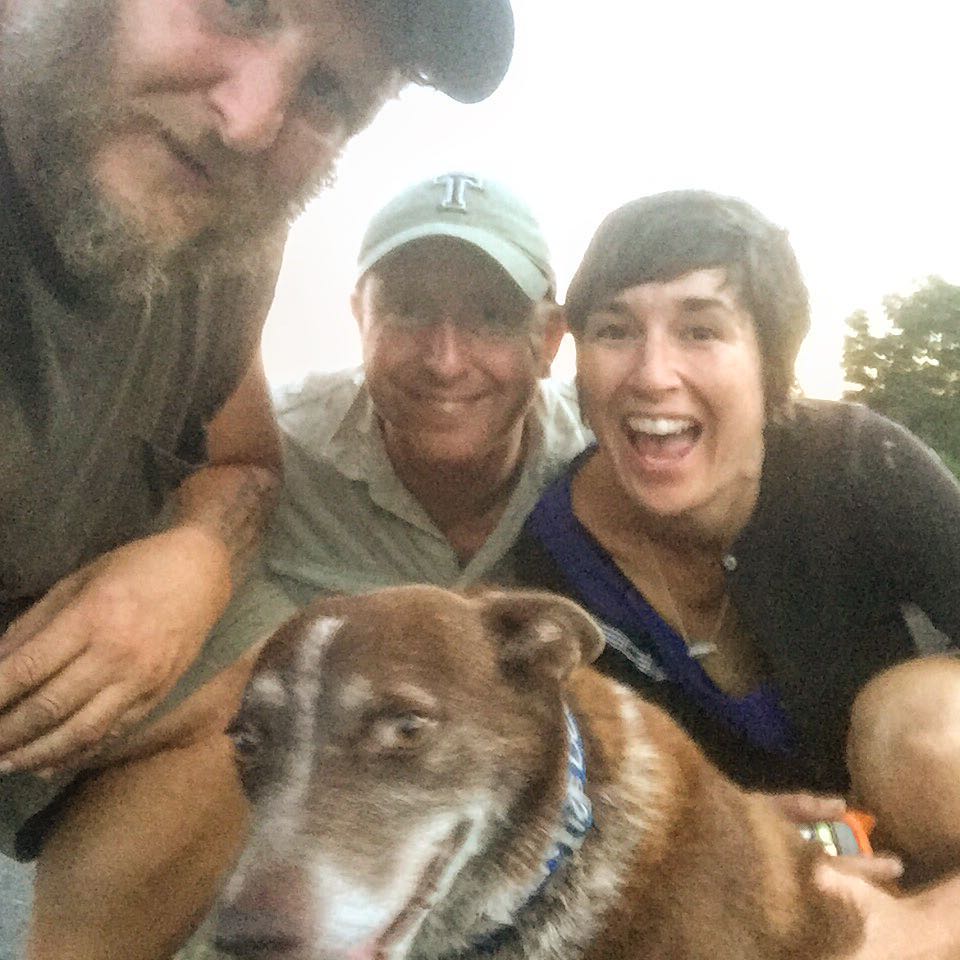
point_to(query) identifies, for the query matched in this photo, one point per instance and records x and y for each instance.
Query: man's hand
(801, 808)
(108, 642)
(106, 645)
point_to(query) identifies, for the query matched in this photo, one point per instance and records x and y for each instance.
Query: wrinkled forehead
(381, 23)
(383, 20)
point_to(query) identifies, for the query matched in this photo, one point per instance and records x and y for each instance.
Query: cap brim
(463, 47)
(512, 261)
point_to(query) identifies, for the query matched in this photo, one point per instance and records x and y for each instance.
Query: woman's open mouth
(662, 441)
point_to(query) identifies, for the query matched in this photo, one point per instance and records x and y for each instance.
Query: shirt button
(729, 562)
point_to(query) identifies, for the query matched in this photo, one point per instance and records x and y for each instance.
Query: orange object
(848, 836)
(862, 824)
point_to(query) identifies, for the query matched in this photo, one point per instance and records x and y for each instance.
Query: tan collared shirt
(346, 524)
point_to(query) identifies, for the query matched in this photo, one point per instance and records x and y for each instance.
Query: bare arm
(231, 498)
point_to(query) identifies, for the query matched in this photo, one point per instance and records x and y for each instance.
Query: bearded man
(152, 155)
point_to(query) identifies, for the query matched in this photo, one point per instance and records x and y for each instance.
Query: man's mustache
(236, 175)
(227, 171)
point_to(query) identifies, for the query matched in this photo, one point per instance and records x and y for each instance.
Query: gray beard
(55, 58)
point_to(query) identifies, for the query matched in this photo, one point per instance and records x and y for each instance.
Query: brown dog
(417, 793)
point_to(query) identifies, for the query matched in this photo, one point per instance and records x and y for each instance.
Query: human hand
(802, 808)
(809, 807)
(105, 645)
(894, 927)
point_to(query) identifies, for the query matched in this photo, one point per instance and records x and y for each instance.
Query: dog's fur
(406, 756)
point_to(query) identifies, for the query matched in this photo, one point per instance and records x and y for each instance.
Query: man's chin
(125, 254)
(453, 453)
(165, 234)
(113, 264)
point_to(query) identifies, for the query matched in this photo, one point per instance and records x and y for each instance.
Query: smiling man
(421, 465)
(152, 156)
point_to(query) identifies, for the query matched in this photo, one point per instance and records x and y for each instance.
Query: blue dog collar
(575, 822)
(577, 815)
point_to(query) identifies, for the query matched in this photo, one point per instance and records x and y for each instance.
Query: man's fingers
(50, 705)
(33, 664)
(30, 622)
(105, 718)
(834, 877)
(809, 807)
(40, 615)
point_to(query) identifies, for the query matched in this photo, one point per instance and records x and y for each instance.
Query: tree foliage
(912, 372)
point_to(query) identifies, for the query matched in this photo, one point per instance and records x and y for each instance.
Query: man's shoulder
(315, 407)
(561, 394)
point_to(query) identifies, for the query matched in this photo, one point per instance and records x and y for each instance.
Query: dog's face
(383, 740)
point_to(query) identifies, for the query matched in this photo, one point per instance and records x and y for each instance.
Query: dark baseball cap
(461, 47)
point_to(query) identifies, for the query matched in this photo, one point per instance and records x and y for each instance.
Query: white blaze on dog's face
(382, 740)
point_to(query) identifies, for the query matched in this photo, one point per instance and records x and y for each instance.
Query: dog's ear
(541, 632)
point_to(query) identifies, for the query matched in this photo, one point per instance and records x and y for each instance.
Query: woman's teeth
(659, 426)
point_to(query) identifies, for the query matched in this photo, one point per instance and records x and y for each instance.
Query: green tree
(912, 372)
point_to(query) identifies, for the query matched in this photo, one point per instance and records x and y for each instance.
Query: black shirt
(855, 518)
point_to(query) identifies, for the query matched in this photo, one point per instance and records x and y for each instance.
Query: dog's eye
(402, 731)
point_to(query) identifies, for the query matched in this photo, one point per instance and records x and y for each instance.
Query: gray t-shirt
(103, 409)
(103, 414)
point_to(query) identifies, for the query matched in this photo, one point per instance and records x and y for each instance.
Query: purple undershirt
(759, 716)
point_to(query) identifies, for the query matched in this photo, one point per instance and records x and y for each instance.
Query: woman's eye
(246, 739)
(324, 85)
(610, 330)
(613, 331)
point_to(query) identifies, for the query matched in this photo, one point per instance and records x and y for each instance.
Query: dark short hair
(659, 238)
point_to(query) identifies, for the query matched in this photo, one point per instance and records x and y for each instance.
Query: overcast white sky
(838, 120)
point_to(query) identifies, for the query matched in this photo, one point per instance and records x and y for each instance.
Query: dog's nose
(253, 935)
(267, 913)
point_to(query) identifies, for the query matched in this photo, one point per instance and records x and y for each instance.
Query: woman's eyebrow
(614, 306)
(694, 304)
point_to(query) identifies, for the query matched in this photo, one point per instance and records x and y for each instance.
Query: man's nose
(252, 98)
(446, 351)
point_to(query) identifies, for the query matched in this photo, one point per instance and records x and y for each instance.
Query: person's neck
(464, 498)
(705, 531)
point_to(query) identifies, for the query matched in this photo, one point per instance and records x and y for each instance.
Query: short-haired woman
(750, 555)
